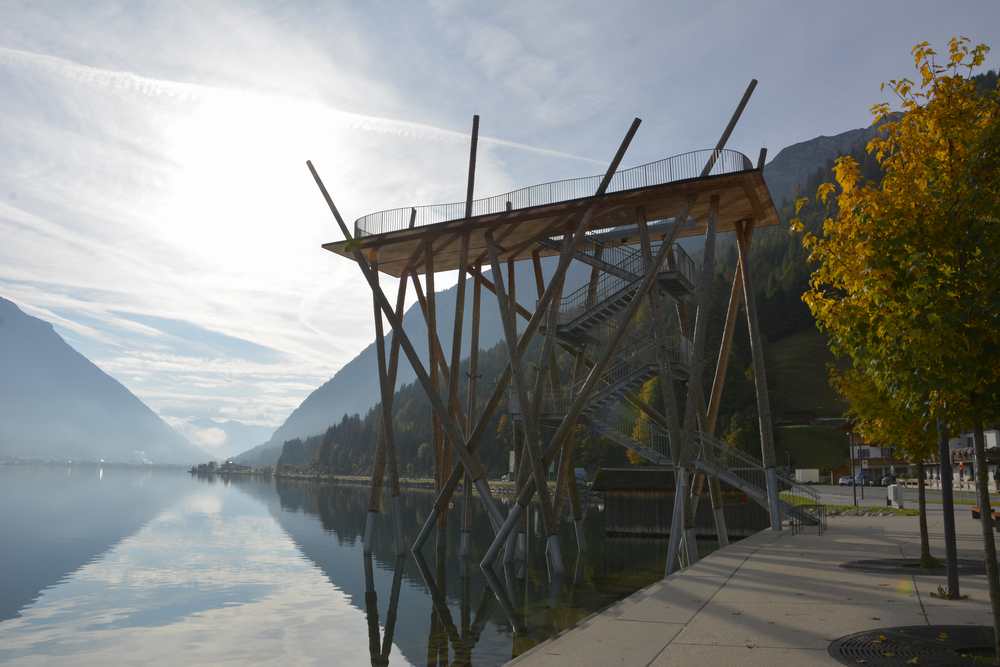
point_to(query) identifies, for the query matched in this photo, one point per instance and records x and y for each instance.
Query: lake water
(113, 565)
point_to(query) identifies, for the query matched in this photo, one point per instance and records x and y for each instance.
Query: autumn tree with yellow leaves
(906, 278)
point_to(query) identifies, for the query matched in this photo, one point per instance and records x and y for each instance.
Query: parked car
(845, 480)
(862, 479)
(888, 479)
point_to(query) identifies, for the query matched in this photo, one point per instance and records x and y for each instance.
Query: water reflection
(439, 591)
(58, 518)
(204, 571)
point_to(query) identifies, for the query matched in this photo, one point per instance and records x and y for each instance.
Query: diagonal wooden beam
(468, 459)
(571, 243)
(743, 236)
(729, 128)
(569, 420)
(725, 347)
(533, 442)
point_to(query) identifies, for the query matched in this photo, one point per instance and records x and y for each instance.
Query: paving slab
(609, 641)
(776, 598)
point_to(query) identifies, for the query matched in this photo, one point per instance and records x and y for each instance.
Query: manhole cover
(912, 566)
(928, 645)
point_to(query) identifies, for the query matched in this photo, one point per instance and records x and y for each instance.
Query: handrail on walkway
(668, 170)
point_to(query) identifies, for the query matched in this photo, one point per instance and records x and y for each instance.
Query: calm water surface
(140, 566)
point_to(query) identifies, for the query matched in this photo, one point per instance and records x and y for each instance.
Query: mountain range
(55, 404)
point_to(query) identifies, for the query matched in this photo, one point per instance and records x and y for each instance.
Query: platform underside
(742, 196)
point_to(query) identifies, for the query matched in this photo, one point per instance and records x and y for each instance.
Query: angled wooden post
(725, 348)
(386, 447)
(681, 517)
(472, 443)
(577, 226)
(569, 420)
(759, 377)
(532, 444)
(468, 459)
(470, 420)
(472, 166)
(729, 128)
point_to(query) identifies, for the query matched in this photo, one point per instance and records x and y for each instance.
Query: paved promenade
(775, 598)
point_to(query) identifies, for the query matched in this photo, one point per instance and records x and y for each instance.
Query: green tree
(878, 418)
(905, 283)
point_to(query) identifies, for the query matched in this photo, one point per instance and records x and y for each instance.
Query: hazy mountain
(56, 404)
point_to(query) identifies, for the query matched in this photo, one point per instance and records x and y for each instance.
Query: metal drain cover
(912, 566)
(927, 645)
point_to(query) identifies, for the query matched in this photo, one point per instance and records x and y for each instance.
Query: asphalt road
(844, 495)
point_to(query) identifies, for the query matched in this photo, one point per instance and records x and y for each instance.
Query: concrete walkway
(775, 598)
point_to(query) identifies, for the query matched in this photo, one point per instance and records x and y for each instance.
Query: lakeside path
(776, 598)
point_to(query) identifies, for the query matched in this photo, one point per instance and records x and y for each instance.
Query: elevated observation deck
(520, 219)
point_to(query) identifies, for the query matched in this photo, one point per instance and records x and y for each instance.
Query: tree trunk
(986, 520)
(926, 560)
(948, 503)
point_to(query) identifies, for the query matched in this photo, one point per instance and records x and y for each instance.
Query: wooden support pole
(532, 443)
(469, 461)
(729, 128)
(472, 166)
(386, 446)
(465, 540)
(692, 403)
(572, 241)
(569, 420)
(435, 340)
(387, 382)
(759, 376)
(725, 348)
(430, 317)
(668, 396)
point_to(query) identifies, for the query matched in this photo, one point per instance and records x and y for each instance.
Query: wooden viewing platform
(624, 225)
(659, 188)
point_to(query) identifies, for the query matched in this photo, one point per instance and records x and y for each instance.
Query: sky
(154, 200)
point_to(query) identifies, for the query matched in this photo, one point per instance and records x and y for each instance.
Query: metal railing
(609, 286)
(727, 456)
(644, 433)
(668, 170)
(636, 356)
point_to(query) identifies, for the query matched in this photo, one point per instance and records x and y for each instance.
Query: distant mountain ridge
(354, 389)
(56, 404)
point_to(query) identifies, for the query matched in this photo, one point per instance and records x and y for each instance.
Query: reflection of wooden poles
(391, 614)
(371, 613)
(469, 460)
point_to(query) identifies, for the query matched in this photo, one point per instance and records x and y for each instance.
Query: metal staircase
(623, 267)
(746, 473)
(586, 317)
